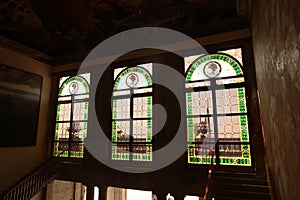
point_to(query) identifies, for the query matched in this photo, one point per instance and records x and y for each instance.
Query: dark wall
(276, 42)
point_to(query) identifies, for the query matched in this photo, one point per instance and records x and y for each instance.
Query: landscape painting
(20, 94)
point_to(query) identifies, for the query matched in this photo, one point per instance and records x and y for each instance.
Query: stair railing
(211, 171)
(27, 187)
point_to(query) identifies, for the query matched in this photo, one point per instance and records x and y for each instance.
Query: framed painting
(20, 95)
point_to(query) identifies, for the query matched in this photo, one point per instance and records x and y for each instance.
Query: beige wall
(38, 196)
(65, 190)
(19, 161)
(114, 193)
(276, 43)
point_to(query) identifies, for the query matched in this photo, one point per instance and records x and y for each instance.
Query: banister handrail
(211, 171)
(15, 188)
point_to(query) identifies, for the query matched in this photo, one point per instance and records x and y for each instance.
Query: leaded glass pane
(142, 152)
(120, 93)
(62, 130)
(189, 60)
(231, 100)
(76, 150)
(197, 84)
(81, 96)
(80, 111)
(63, 112)
(121, 108)
(236, 53)
(121, 131)
(142, 130)
(62, 80)
(142, 90)
(201, 153)
(233, 128)
(199, 103)
(120, 151)
(78, 131)
(59, 149)
(142, 107)
(200, 129)
(230, 81)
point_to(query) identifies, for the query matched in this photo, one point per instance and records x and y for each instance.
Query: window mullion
(131, 125)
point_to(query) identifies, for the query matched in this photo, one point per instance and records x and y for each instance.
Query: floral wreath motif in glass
(135, 134)
(231, 111)
(72, 116)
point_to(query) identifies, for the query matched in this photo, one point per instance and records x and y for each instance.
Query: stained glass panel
(74, 85)
(213, 66)
(128, 81)
(121, 108)
(233, 128)
(142, 107)
(63, 112)
(80, 111)
(230, 81)
(231, 100)
(197, 84)
(199, 103)
(120, 151)
(201, 153)
(200, 128)
(134, 77)
(231, 132)
(236, 53)
(189, 60)
(62, 130)
(121, 131)
(142, 152)
(142, 130)
(72, 116)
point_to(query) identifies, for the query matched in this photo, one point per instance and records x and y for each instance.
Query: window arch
(217, 121)
(132, 113)
(71, 115)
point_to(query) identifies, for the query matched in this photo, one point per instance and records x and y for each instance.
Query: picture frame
(20, 96)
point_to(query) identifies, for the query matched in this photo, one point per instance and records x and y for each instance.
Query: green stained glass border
(74, 78)
(232, 62)
(126, 71)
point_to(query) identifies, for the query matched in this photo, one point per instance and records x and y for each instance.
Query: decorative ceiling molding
(24, 50)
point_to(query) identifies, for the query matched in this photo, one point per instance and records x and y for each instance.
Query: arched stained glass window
(217, 121)
(132, 113)
(72, 116)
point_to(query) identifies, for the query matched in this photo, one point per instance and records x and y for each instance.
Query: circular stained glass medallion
(132, 80)
(212, 69)
(73, 87)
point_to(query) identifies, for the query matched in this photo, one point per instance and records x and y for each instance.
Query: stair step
(241, 194)
(241, 187)
(237, 175)
(229, 180)
(220, 197)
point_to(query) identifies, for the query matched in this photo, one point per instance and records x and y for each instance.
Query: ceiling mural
(58, 27)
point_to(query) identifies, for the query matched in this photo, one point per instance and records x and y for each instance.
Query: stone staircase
(230, 185)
